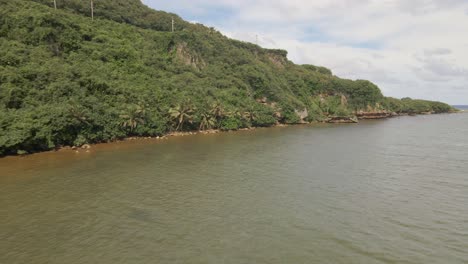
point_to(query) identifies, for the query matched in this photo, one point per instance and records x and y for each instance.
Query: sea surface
(386, 191)
(461, 107)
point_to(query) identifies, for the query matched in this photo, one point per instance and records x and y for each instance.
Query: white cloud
(439, 51)
(416, 48)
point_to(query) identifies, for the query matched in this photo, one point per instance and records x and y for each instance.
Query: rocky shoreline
(342, 120)
(361, 115)
(330, 120)
(373, 115)
(88, 147)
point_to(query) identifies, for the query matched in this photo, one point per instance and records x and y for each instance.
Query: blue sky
(416, 48)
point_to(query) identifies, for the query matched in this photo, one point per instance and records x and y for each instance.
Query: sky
(409, 48)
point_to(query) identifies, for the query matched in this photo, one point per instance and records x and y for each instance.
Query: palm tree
(207, 121)
(79, 114)
(249, 116)
(135, 116)
(217, 111)
(182, 114)
(235, 113)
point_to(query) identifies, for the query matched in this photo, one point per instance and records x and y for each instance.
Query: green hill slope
(68, 80)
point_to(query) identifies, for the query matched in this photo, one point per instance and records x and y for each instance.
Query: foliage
(231, 123)
(68, 80)
(289, 115)
(410, 106)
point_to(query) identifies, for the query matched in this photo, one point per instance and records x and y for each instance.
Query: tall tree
(133, 117)
(182, 114)
(217, 111)
(207, 121)
(55, 4)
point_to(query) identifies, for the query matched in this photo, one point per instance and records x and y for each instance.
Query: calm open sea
(461, 107)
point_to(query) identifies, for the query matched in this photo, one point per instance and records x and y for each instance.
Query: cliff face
(68, 80)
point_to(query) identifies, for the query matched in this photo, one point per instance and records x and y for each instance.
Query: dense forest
(69, 79)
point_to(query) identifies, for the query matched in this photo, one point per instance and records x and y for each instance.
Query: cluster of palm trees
(91, 5)
(185, 113)
(186, 116)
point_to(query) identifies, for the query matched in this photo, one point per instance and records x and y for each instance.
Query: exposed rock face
(322, 98)
(375, 114)
(302, 114)
(342, 120)
(186, 57)
(277, 60)
(344, 100)
(262, 100)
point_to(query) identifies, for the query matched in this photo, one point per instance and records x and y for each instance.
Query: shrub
(231, 123)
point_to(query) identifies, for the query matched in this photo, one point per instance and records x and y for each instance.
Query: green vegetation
(68, 80)
(410, 106)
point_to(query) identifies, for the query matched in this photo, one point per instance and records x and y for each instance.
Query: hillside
(68, 80)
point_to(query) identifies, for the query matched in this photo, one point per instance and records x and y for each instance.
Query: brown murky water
(392, 191)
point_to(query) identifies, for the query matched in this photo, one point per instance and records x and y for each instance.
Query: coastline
(86, 148)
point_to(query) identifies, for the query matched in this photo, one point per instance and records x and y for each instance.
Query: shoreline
(86, 148)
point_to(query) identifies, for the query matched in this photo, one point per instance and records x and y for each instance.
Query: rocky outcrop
(302, 115)
(187, 57)
(277, 60)
(375, 114)
(86, 146)
(342, 120)
(262, 100)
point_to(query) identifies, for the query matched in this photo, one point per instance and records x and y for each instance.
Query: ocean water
(461, 107)
(386, 191)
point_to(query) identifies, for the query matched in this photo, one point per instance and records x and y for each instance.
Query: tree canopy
(68, 80)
